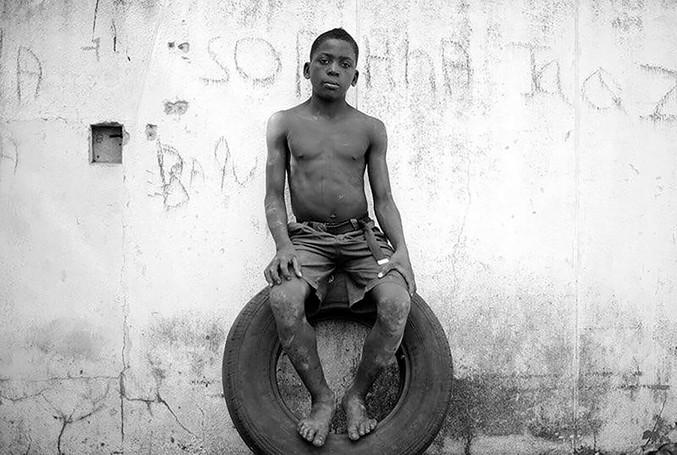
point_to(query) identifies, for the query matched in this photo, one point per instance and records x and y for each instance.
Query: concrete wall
(532, 153)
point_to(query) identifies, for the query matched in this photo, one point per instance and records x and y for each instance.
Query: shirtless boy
(324, 147)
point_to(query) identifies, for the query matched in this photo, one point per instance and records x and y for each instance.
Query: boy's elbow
(383, 205)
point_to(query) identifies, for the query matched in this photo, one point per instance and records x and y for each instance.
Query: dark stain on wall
(151, 132)
(68, 338)
(188, 331)
(501, 405)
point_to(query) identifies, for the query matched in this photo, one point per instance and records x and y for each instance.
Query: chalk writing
(28, 73)
(9, 154)
(304, 38)
(96, 12)
(197, 173)
(545, 78)
(225, 161)
(669, 100)
(222, 154)
(216, 51)
(114, 31)
(378, 62)
(601, 91)
(95, 48)
(257, 60)
(171, 169)
(381, 55)
(455, 66)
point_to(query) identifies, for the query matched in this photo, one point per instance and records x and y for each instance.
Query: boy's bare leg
(393, 303)
(287, 300)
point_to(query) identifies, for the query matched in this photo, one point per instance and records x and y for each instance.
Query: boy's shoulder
(298, 114)
(282, 117)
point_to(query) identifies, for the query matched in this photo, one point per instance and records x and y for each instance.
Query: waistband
(363, 223)
(343, 227)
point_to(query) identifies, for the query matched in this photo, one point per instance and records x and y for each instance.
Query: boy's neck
(327, 108)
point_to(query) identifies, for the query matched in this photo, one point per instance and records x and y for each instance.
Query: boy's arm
(284, 262)
(384, 205)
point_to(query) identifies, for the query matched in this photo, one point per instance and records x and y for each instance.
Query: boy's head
(336, 33)
(332, 66)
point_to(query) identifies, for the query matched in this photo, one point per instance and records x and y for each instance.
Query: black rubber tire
(268, 427)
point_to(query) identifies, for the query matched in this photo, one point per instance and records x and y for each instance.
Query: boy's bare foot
(359, 422)
(315, 427)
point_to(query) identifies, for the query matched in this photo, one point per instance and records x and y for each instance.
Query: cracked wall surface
(532, 155)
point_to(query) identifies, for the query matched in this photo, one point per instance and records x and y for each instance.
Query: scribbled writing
(28, 74)
(660, 111)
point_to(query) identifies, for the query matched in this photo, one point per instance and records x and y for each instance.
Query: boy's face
(331, 69)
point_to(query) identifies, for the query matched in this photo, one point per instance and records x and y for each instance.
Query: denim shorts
(321, 254)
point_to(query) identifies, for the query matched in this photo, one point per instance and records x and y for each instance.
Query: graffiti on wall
(227, 165)
(601, 91)
(660, 112)
(216, 48)
(254, 59)
(444, 71)
(9, 158)
(181, 177)
(171, 165)
(545, 72)
(28, 74)
(95, 46)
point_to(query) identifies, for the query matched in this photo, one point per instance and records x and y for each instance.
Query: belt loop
(355, 224)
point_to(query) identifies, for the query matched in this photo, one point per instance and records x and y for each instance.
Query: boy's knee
(393, 310)
(287, 302)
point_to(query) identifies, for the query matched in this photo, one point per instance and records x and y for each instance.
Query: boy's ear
(306, 70)
(354, 82)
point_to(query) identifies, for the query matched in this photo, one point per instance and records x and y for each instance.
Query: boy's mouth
(330, 85)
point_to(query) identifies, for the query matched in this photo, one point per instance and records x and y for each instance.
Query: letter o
(257, 60)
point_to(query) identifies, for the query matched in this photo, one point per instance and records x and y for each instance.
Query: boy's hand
(282, 266)
(400, 261)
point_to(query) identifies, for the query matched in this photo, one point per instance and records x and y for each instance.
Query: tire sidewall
(269, 428)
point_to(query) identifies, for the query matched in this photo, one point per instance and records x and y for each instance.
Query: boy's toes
(318, 441)
(367, 426)
(310, 435)
(353, 434)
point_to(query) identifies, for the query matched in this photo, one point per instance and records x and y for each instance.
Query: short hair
(336, 33)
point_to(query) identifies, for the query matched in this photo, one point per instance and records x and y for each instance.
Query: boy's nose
(333, 69)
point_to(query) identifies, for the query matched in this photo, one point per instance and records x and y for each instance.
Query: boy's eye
(323, 61)
(346, 64)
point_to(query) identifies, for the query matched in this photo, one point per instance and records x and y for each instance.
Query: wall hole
(106, 143)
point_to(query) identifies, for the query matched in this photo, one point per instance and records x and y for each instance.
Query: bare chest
(309, 142)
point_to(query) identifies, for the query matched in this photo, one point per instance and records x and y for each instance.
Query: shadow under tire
(268, 427)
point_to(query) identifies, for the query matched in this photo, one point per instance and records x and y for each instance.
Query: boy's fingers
(297, 266)
(274, 275)
(284, 269)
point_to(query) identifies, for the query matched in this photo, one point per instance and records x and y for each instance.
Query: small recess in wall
(106, 143)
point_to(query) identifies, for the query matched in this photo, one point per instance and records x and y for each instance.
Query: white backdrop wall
(533, 155)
